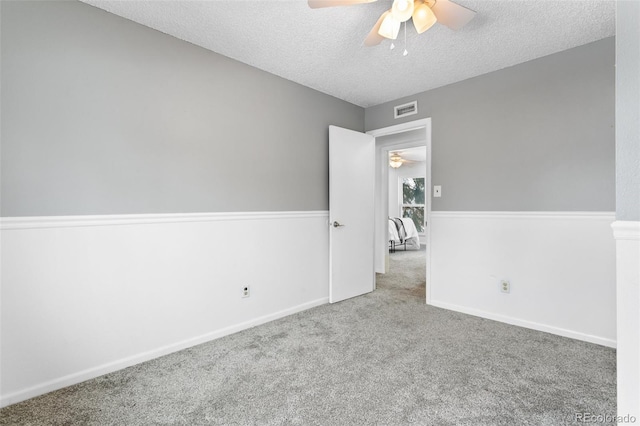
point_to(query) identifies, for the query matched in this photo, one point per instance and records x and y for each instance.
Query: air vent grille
(406, 109)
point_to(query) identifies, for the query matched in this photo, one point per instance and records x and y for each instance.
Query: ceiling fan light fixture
(373, 38)
(395, 161)
(402, 10)
(390, 26)
(423, 17)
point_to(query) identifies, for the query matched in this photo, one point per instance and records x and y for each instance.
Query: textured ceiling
(322, 48)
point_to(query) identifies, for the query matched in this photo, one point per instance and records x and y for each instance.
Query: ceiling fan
(395, 160)
(425, 13)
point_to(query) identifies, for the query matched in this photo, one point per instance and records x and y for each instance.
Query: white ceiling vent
(405, 109)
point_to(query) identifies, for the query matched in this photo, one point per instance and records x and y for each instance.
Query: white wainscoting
(627, 235)
(86, 295)
(561, 267)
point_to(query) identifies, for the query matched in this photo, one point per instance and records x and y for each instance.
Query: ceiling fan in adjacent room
(395, 160)
(425, 13)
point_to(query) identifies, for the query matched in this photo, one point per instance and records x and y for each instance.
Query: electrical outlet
(505, 286)
(246, 291)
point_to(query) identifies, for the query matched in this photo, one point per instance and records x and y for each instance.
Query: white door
(351, 213)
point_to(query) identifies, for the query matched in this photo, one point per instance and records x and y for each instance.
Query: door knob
(336, 224)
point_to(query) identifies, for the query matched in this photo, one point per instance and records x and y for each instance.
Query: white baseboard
(526, 324)
(101, 370)
(83, 296)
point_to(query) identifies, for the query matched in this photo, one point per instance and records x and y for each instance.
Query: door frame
(382, 191)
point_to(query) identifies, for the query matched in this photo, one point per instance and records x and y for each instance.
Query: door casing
(382, 190)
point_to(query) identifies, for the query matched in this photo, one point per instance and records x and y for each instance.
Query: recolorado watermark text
(603, 418)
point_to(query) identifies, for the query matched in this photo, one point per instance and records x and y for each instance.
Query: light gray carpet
(385, 358)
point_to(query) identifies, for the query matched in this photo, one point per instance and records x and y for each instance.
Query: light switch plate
(437, 191)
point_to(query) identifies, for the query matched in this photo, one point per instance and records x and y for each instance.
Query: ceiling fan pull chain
(405, 53)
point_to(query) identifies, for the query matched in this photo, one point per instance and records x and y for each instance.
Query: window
(413, 204)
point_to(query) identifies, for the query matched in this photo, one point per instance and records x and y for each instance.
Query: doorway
(394, 139)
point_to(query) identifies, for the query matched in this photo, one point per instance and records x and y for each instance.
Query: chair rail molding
(31, 222)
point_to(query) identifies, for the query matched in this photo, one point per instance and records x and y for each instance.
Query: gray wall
(104, 116)
(628, 110)
(538, 136)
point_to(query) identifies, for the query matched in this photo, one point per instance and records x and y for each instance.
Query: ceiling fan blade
(451, 14)
(315, 4)
(374, 38)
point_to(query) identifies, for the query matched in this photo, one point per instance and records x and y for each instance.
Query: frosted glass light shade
(402, 10)
(395, 161)
(423, 17)
(390, 27)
